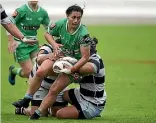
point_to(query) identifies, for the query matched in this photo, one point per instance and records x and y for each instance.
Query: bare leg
(26, 68)
(54, 109)
(69, 112)
(42, 71)
(60, 83)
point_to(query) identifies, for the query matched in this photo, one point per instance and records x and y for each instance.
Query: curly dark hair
(74, 8)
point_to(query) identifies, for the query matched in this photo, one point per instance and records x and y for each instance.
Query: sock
(38, 112)
(17, 71)
(28, 96)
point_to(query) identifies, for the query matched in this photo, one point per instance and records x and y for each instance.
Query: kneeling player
(89, 100)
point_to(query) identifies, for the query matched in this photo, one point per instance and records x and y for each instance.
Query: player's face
(74, 19)
(33, 2)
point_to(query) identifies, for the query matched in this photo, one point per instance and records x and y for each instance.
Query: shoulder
(83, 30)
(61, 21)
(22, 8)
(1, 8)
(43, 10)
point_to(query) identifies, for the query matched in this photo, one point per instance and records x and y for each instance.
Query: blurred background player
(28, 19)
(10, 27)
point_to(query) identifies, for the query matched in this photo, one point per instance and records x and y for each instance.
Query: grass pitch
(129, 53)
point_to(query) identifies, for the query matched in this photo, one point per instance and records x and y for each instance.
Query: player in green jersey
(75, 42)
(28, 19)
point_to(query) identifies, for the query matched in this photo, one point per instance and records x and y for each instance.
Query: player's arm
(85, 53)
(46, 21)
(9, 26)
(53, 30)
(13, 30)
(50, 39)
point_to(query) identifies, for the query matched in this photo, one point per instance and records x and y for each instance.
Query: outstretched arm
(13, 30)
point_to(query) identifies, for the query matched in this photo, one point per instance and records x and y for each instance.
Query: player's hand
(12, 45)
(66, 71)
(57, 49)
(30, 41)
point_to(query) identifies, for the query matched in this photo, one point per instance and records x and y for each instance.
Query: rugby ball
(60, 65)
(69, 59)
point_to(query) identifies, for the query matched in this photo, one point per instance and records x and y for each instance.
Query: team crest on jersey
(15, 13)
(28, 18)
(40, 19)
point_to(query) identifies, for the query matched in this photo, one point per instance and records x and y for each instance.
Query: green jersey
(29, 21)
(71, 42)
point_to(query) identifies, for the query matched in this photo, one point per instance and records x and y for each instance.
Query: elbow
(86, 57)
(45, 34)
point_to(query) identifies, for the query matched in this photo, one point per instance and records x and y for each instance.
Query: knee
(59, 114)
(26, 73)
(40, 72)
(52, 92)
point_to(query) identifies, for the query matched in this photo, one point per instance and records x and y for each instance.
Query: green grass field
(129, 52)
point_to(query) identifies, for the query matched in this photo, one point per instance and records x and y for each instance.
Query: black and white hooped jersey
(4, 17)
(46, 48)
(92, 86)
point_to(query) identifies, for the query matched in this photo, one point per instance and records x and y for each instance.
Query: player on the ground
(88, 101)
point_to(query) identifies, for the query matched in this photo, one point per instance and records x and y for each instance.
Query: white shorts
(87, 110)
(43, 91)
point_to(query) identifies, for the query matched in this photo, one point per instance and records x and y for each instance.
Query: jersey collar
(31, 9)
(75, 30)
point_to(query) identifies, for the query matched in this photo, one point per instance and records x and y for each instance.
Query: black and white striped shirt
(4, 17)
(47, 48)
(92, 86)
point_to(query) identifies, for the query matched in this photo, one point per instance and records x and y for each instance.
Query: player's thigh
(69, 112)
(45, 67)
(54, 109)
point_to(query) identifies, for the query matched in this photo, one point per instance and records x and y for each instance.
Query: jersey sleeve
(84, 39)
(4, 17)
(17, 15)
(54, 28)
(46, 21)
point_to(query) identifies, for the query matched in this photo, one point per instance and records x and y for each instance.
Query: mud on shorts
(87, 110)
